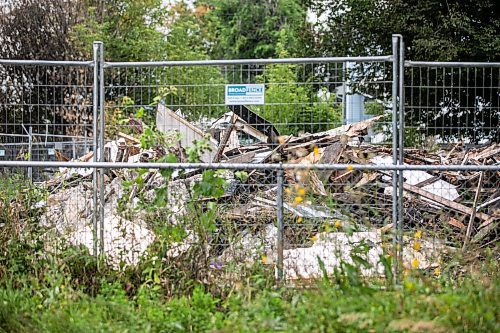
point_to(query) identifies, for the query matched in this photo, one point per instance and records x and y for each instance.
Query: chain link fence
(323, 164)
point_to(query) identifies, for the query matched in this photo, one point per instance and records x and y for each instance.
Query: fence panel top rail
(247, 61)
(46, 62)
(450, 64)
(248, 166)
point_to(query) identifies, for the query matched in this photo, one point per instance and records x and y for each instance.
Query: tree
(433, 30)
(135, 30)
(291, 106)
(250, 28)
(453, 30)
(32, 29)
(128, 29)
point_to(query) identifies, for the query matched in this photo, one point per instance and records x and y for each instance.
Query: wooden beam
(129, 138)
(445, 202)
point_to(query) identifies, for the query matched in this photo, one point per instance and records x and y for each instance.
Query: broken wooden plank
(245, 157)
(445, 202)
(311, 143)
(256, 121)
(474, 211)
(456, 223)
(331, 155)
(225, 139)
(87, 157)
(61, 157)
(485, 153)
(129, 138)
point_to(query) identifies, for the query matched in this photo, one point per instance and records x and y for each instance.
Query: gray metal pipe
(95, 89)
(249, 166)
(280, 226)
(450, 64)
(247, 61)
(101, 145)
(395, 68)
(15, 62)
(401, 121)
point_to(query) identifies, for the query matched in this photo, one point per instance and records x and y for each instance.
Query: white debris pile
(70, 213)
(331, 249)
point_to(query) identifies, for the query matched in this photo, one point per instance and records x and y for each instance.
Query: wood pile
(463, 206)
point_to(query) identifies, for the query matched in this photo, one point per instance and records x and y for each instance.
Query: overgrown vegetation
(49, 285)
(44, 289)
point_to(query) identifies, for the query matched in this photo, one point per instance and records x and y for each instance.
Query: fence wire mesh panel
(451, 103)
(165, 157)
(45, 111)
(170, 108)
(452, 117)
(298, 98)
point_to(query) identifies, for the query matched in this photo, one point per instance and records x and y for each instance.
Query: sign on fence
(244, 94)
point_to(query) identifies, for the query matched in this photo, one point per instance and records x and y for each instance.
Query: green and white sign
(244, 94)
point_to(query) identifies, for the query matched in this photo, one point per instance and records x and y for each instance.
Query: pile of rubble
(444, 202)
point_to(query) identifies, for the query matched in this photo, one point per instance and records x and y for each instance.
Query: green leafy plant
(291, 105)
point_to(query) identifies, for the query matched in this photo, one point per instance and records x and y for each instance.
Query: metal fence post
(279, 212)
(101, 145)
(30, 148)
(401, 148)
(95, 93)
(395, 67)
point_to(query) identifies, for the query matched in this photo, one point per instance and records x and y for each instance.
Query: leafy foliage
(292, 106)
(458, 30)
(250, 29)
(128, 29)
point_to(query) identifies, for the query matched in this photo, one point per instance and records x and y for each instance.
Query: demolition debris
(327, 213)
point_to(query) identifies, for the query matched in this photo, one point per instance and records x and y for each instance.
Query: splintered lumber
(129, 138)
(246, 157)
(474, 211)
(445, 202)
(86, 157)
(456, 223)
(60, 156)
(486, 153)
(331, 155)
(280, 146)
(256, 121)
(225, 139)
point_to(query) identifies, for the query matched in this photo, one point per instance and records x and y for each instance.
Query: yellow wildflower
(314, 238)
(338, 224)
(264, 259)
(301, 191)
(414, 263)
(437, 271)
(316, 151)
(418, 234)
(287, 190)
(350, 167)
(298, 200)
(416, 246)
(409, 285)
(299, 219)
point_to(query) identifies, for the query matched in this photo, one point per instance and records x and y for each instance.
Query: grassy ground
(74, 292)
(422, 304)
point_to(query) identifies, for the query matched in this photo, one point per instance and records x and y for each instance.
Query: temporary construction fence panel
(315, 160)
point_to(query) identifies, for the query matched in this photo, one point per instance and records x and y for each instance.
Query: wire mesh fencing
(451, 103)
(297, 166)
(45, 111)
